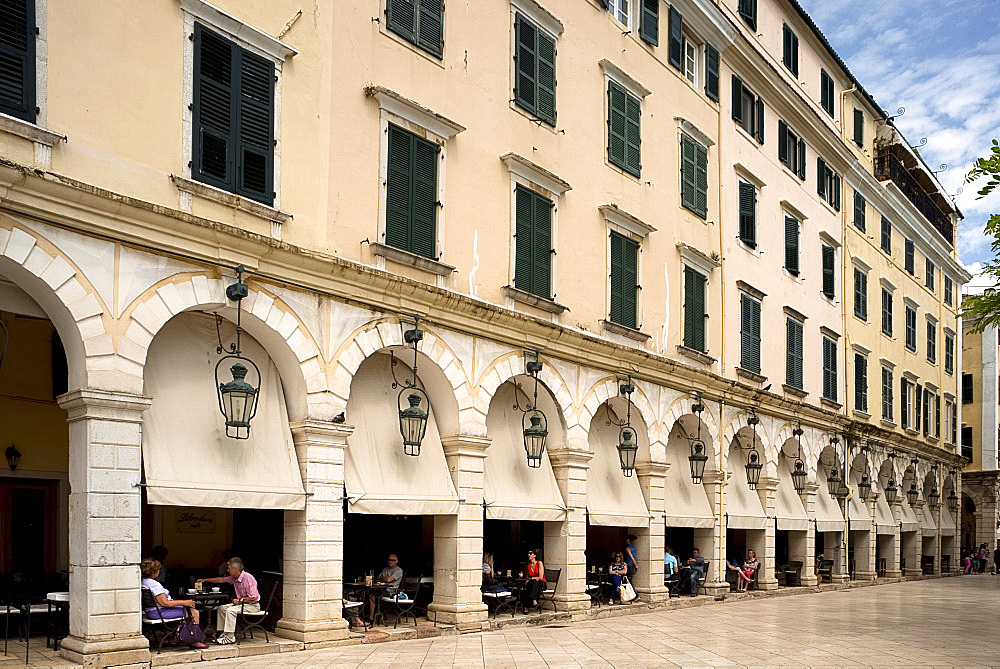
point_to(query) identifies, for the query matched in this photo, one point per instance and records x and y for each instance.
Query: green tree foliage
(984, 310)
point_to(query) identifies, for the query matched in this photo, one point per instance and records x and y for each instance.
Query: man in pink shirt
(247, 600)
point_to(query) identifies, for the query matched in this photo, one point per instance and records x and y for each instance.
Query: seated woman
(534, 572)
(171, 609)
(489, 575)
(618, 569)
(750, 567)
(735, 565)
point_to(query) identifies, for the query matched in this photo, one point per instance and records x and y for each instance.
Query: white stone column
(809, 576)
(105, 462)
(313, 566)
(458, 540)
(715, 579)
(892, 569)
(918, 510)
(767, 489)
(566, 542)
(649, 578)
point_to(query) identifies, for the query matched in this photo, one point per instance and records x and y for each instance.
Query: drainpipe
(722, 496)
(843, 98)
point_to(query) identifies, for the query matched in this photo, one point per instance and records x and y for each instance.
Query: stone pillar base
(465, 617)
(864, 576)
(717, 588)
(653, 595)
(810, 580)
(840, 578)
(893, 573)
(108, 653)
(312, 631)
(570, 603)
(767, 583)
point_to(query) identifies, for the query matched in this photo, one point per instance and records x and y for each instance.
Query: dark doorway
(736, 545)
(781, 551)
(681, 541)
(369, 538)
(258, 538)
(509, 541)
(28, 526)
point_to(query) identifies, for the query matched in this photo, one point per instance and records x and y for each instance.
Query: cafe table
(600, 584)
(375, 590)
(209, 602)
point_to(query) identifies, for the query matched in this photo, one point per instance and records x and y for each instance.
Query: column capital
(564, 457)
(767, 483)
(321, 431)
(103, 404)
(652, 468)
(469, 445)
(810, 489)
(712, 478)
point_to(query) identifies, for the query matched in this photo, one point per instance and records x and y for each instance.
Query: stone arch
(682, 406)
(735, 426)
(510, 365)
(43, 271)
(782, 437)
(265, 317)
(601, 392)
(463, 417)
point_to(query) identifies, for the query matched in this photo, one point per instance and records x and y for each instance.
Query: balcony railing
(888, 166)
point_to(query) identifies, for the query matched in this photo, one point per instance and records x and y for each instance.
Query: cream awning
(187, 458)
(378, 476)
(788, 505)
(884, 522)
(948, 527)
(928, 526)
(686, 502)
(829, 517)
(612, 498)
(857, 510)
(909, 518)
(743, 509)
(513, 490)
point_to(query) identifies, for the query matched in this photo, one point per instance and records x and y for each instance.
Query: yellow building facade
(653, 200)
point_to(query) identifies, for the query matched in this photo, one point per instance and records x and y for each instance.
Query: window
(690, 61)
(623, 129)
(954, 422)
(534, 70)
(827, 184)
(790, 50)
(694, 176)
(967, 442)
(949, 354)
(937, 416)
(829, 277)
(859, 211)
(886, 241)
(949, 421)
(17, 59)
(860, 383)
(927, 408)
(532, 242)
(929, 274)
(905, 403)
(791, 150)
(911, 328)
(233, 117)
(649, 22)
(949, 290)
(826, 92)
(829, 369)
(675, 26)
(712, 72)
(694, 309)
(859, 127)
(420, 22)
(748, 110)
(749, 333)
(967, 388)
(860, 294)
(624, 280)
(411, 193)
(793, 358)
(931, 342)
(886, 311)
(792, 245)
(748, 12)
(748, 214)
(908, 257)
(619, 9)
(887, 394)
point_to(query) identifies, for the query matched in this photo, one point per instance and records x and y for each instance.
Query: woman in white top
(171, 609)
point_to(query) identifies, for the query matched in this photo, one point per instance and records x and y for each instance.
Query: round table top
(57, 596)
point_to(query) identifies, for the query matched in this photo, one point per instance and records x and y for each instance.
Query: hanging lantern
(890, 491)
(238, 398)
(864, 488)
(627, 448)
(912, 493)
(697, 460)
(754, 466)
(833, 481)
(534, 424)
(799, 476)
(952, 501)
(934, 498)
(412, 417)
(13, 457)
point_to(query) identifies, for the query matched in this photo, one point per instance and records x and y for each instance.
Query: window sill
(862, 414)
(625, 331)
(186, 185)
(756, 377)
(831, 404)
(411, 259)
(532, 300)
(29, 131)
(911, 431)
(695, 354)
(792, 390)
(888, 423)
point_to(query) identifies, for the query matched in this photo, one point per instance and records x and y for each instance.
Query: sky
(940, 61)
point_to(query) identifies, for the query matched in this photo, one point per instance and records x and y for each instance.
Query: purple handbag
(189, 633)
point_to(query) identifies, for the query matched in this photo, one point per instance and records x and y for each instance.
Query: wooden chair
(793, 574)
(825, 571)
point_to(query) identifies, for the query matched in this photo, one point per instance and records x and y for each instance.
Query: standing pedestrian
(983, 558)
(631, 556)
(996, 560)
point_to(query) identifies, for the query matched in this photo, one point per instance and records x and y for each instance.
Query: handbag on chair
(188, 633)
(625, 591)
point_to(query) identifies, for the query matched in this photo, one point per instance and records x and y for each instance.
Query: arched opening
(886, 527)
(949, 527)
(791, 522)
(859, 517)
(928, 525)
(968, 510)
(829, 523)
(909, 526)
(745, 519)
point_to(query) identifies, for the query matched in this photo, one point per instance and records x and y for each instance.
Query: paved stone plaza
(945, 622)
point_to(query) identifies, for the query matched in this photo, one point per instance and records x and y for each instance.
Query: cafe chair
(353, 610)
(166, 630)
(400, 604)
(549, 594)
(248, 621)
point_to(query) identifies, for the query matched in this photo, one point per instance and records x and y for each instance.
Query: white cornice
(536, 174)
(697, 259)
(617, 216)
(694, 132)
(616, 73)
(543, 17)
(238, 29)
(414, 112)
(707, 21)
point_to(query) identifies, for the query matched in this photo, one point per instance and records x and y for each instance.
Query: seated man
(392, 575)
(697, 564)
(247, 600)
(671, 570)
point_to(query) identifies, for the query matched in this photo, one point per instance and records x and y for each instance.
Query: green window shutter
(694, 309)
(829, 369)
(701, 181)
(793, 362)
(17, 59)
(525, 58)
(760, 121)
(398, 186)
(523, 215)
(860, 382)
(860, 294)
(617, 277)
(821, 177)
(826, 92)
(430, 26)
(904, 409)
(255, 114)
(401, 18)
(786, 45)
(214, 111)
(633, 138)
(937, 415)
(886, 240)
(712, 72)
(411, 193)
(546, 78)
(423, 198)
(859, 127)
(748, 12)
(931, 342)
(917, 405)
(836, 192)
(688, 173)
(616, 124)
(795, 54)
(783, 142)
(908, 256)
(737, 99)
(829, 285)
(748, 214)
(859, 211)
(792, 245)
(749, 333)
(649, 22)
(541, 251)
(630, 283)
(802, 159)
(886, 312)
(675, 27)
